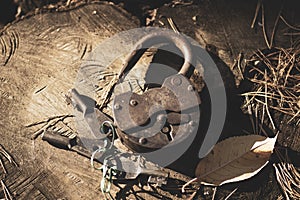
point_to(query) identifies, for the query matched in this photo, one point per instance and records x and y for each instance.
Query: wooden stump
(39, 61)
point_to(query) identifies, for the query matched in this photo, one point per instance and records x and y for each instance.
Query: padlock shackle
(158, 38)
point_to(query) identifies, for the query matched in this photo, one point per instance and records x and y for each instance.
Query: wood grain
(39, 59)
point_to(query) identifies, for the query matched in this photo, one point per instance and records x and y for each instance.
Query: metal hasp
(160, 116)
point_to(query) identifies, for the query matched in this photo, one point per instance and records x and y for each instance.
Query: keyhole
(167, 130)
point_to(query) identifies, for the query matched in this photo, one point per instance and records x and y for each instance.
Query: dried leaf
(235, 159)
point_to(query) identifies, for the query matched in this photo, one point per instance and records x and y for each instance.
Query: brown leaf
(235, 159)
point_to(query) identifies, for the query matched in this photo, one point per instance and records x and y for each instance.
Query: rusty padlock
(161, 116)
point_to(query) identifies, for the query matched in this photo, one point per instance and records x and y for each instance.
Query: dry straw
(288, 178)
(275, 76)
(276, 79)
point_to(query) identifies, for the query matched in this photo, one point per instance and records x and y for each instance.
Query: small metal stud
(176, 80)
(142, 140)
(190, 88)
(133, 102)
(117, 106)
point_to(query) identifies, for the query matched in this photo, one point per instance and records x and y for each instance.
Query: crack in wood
(9, 43)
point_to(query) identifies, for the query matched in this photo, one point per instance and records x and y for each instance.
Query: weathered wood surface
(40, 56)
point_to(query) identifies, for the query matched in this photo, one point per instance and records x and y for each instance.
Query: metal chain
(107, 172)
